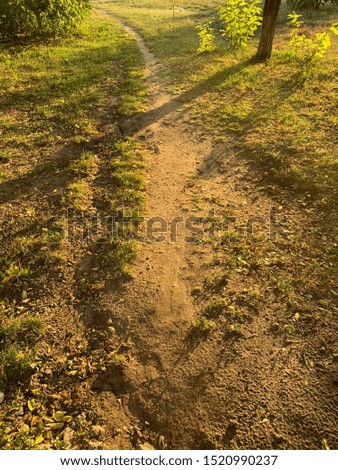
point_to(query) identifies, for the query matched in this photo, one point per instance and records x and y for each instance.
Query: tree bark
(270, 13)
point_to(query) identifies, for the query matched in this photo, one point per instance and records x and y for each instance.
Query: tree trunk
(270, 13)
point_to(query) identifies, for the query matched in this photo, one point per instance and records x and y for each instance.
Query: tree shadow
(142, 120)
(274, 165)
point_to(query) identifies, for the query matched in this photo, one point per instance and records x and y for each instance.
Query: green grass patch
(61, 147)
(51, 90)
(86, 166)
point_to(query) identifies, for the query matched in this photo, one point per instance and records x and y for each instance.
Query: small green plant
(307, 51)
(79, 194)
(203, 324)
(240, 20)
(206, 36)
(216, 307)
(15, 273)
(119, 360)
(86, 166)
(14, 363)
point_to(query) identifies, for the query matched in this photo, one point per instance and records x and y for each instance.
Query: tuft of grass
(15, 273)
(15, 362)
(216, 307)
(79, 195)
(87, 165)
(203, 324)
(127, 164)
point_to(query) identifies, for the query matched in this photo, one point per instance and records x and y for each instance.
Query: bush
(241, 20)
(311, 4)
(307, 51)
(206, 36)
(40, 17)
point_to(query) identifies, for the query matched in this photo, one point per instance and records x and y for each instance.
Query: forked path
(196, 390)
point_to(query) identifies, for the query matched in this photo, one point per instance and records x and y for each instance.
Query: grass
(126, 166)
(66, 79)
(60, 149)
(263, 111)
(87, 165)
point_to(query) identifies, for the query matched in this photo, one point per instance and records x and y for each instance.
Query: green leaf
(31, 404)
(58, 415)
(55, 426)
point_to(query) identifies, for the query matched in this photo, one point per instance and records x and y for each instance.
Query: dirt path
(251, 388)
(158, 309)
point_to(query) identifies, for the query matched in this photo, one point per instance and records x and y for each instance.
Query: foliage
(40, 16)
(203, 324)
(305, 49)
(240, 20)
(206, 36)
(14, 273)
(310, 4)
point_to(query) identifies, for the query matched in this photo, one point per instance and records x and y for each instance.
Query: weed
(216, 307)
(15, 362)
(87, 165)
(203, 324)
(119, 360)
(15, 273)
(206, 36)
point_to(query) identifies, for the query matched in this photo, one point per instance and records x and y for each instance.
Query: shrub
(311, 4)
(240, 20)
(307, 51)
(206, 36)
(31, 17)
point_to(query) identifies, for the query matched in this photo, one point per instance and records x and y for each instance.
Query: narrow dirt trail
(157, 310)
(158, 304)
(193, 389)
